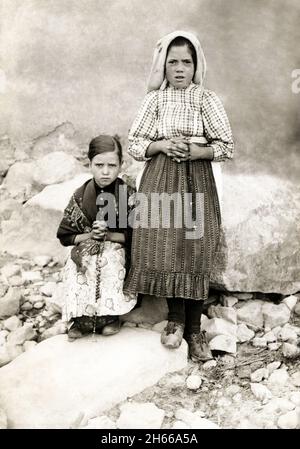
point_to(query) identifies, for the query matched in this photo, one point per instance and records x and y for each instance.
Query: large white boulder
(261, 225)
(48, 386)
(19, 180)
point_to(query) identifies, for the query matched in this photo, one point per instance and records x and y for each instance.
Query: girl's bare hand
(99, 230)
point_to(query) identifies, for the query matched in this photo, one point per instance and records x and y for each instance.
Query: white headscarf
(157, 75)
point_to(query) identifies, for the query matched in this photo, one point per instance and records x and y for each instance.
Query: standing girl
(180, 128)
(95, 271)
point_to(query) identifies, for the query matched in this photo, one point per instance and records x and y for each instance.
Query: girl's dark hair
(103, 144)
(180, 41)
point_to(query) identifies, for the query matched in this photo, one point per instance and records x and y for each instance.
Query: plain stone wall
(87, 62)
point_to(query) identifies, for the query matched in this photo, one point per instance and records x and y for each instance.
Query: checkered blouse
(173, 112)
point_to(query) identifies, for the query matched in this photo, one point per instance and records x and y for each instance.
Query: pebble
(295, 398)
(279, 405)
(31, 276)
(42, 261)
(270, 337)
(279, 377)
(289, 420)
(10, 270)
(140, 416)
(26, 306)
(273, 366)
(290, 350)
(259, 375)
(274, 346)
(244, 333)
(193, 382)
(259, 342)
(39, 305)
(232, 390)
(295, 378)
(29, 345)
(15, 281)
(228, 301)
(12, 323)
(48, 289)
(210, 364)
(287, 334)
(261, 392)
(290, 302)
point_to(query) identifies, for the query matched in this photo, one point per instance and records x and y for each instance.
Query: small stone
(31, 276)
(12, 323)
(228, 301)
(15, 281)
(4, 356)
(279, 377)
(29, 345)
(290, 350)
(193, 382)
(295, 398)
(270, 337)
(3, 419)
(289, 420)
(101, 422)
(276, 330)
(259, 375)
(140, 416)
(250, 313)
(193, 420)
(14, 350)
(219, 326)
(39, 304)
(226, 313)
(279, 405)
(243, 296)
(290, 302)
(271, 367)
(232, 390)
(21, 334)
(210, 364)
(57, 329)
(49, 288)
(295, 378)
(129, 324)
(274, 346)
(261, 392)
(42, 261)
(159, 327)
(228, 360)
(10, 303)
(244, 333)
(26, 306)
(225, 343)
(10, 270)
(259, 342)
(287, 334)
(275, 315)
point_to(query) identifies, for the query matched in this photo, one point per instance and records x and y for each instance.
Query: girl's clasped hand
(99, 230)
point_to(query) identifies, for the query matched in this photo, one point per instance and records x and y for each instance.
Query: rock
(289, 420)
(224, 343)
(159, 327)
(244, 372)
(250, 314)
(259, 342)
(8, 207)
(293, 328)
(62, 138)
(25, 388)
(19, 180)
(218, 326)
(15, 281)
(3, 419)
(204, 320)
(31, 276)
(276, 331)
(243, 296)
(29, 345)
(10, 303)
(48, 289)
(39, 305)
(26, 306)
(279, 377)
(261, 392)
(290, 350)
(244, 333)
(140, 416)
(153, 310)
(228, 301)
(290, 302)
(295, 378)
(232, 390)
(194, 421)
(271, 367)
(14, 350)
(279, 405)
(287, 334)
(295, 398)
(270, 337)
(57, 329)
(258, 233)
(4, 355)
(228, 360)
(297, 309)
(227, 313)
(259, 375)
(209, 365)
(42, 261)
(9, 270)
(21, 334)
(193, 382)
(275, 315)
(56, 167)
(274, 346)
(101, 422)
(12, 323)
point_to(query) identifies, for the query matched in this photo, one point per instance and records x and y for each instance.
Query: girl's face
(105, 168)
(179, 67)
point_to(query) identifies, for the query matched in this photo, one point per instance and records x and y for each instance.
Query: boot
(172, 335)
(198, 347)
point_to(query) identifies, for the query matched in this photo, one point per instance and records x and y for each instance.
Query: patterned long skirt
(175, 258)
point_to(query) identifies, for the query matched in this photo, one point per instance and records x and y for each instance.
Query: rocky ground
(253, 382)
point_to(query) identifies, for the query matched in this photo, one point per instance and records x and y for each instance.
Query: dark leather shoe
(172, 335)
(111, 329)
(198, 347)
(74, 332)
